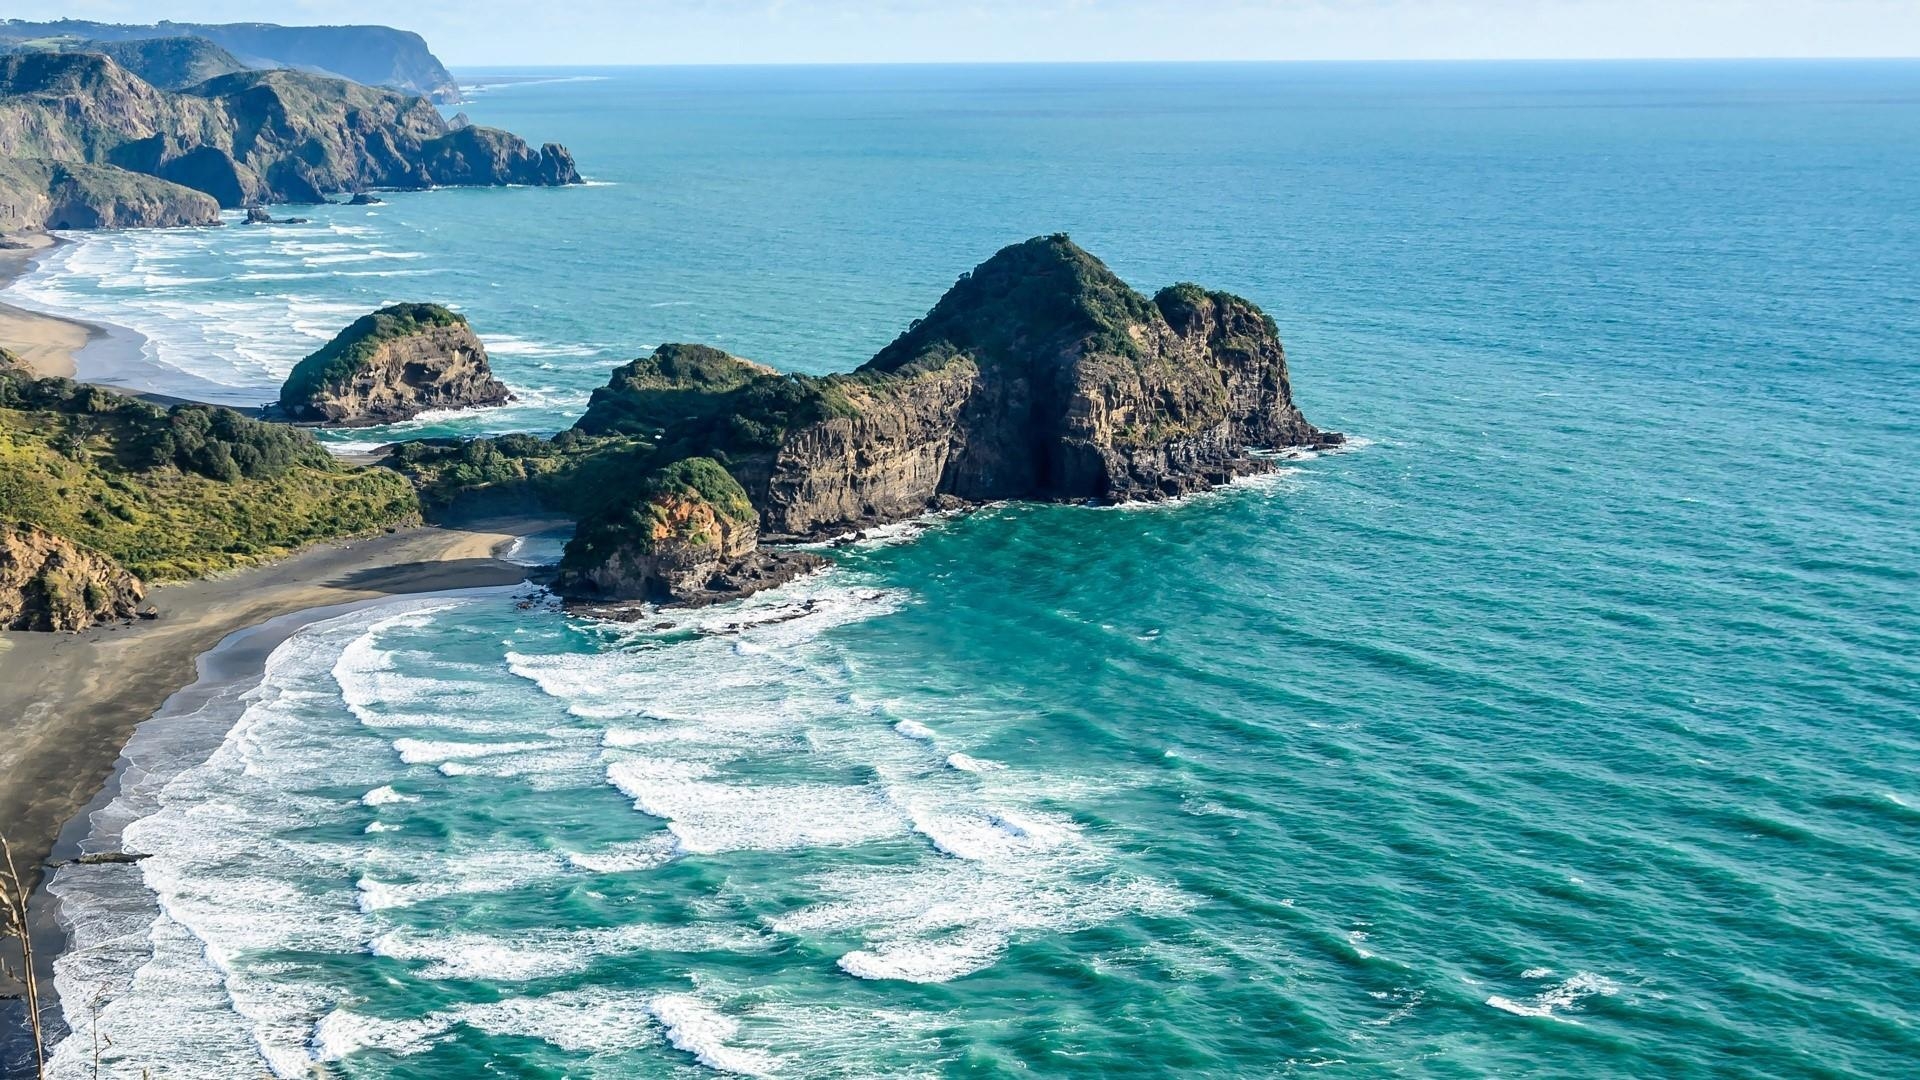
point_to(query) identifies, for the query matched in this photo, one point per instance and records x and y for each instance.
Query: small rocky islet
(1040, 375)
(391, 366)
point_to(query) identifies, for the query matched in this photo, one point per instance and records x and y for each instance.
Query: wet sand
(69, 702)
(48, 345)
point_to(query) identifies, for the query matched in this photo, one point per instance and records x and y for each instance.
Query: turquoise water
(1565, 727)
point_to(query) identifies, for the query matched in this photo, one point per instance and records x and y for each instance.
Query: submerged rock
(50, 583)
(257, 215)
(390, 366)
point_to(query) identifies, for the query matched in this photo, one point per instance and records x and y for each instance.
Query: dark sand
(69, 702)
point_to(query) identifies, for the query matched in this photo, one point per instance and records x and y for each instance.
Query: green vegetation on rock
(676, 383)
(686, 503)
(1044, 294)
(181, 492)
(171, 63)
(244, 137)
(569, 473)
(335, 363)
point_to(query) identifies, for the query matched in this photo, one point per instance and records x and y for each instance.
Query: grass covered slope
(170, 63)
(1035, 298)
(177, 493)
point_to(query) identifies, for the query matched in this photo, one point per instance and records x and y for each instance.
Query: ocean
(1566, 725)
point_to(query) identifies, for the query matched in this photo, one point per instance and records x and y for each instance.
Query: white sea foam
(969, 763)
(384, 795)
(927, 961)
(1561, 997)
(422, 752)
(697, 1028)
(708, 817)
(342, 1033)
(403, 878)
(914, 729)
(623, 858)
(226, 847)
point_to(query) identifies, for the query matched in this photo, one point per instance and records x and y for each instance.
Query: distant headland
(168, 131)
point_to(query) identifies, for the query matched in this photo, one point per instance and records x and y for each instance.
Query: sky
(496, 32)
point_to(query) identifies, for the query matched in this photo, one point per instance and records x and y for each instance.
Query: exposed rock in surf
(390, 366)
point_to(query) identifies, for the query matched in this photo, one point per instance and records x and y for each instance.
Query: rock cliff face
(374, 55)
(686, 534)
(48, 583)
(390, 366)
(1040, 375)
(246, 138)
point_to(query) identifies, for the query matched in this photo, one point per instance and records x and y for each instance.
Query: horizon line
(452, 64)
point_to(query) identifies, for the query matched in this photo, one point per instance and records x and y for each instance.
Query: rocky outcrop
(61, 195)
(390, 366)
(49, 583)
(686, 534)
(248, 138)
(374, 55)
(644, 396)
(257, 215)
(1040, 375)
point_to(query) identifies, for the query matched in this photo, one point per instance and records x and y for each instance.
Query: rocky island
(390, 366)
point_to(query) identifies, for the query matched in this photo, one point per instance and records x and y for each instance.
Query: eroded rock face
(687, 535)
(390, 366)
(51, 584)
(244, 138)
(1040, 375)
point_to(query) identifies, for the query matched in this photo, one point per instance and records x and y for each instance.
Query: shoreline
(54, 346)
(76, 698)
(175, 737)
(49, 345)
(79, 699)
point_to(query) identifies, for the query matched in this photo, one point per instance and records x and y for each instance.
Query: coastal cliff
(1040, 375)
(390, 366)
(374, 55)
(687, 534)
(170, 63)
(244, 138)
(48, 583)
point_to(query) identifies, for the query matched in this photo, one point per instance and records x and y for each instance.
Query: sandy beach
(73, 699)
(47, 345)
